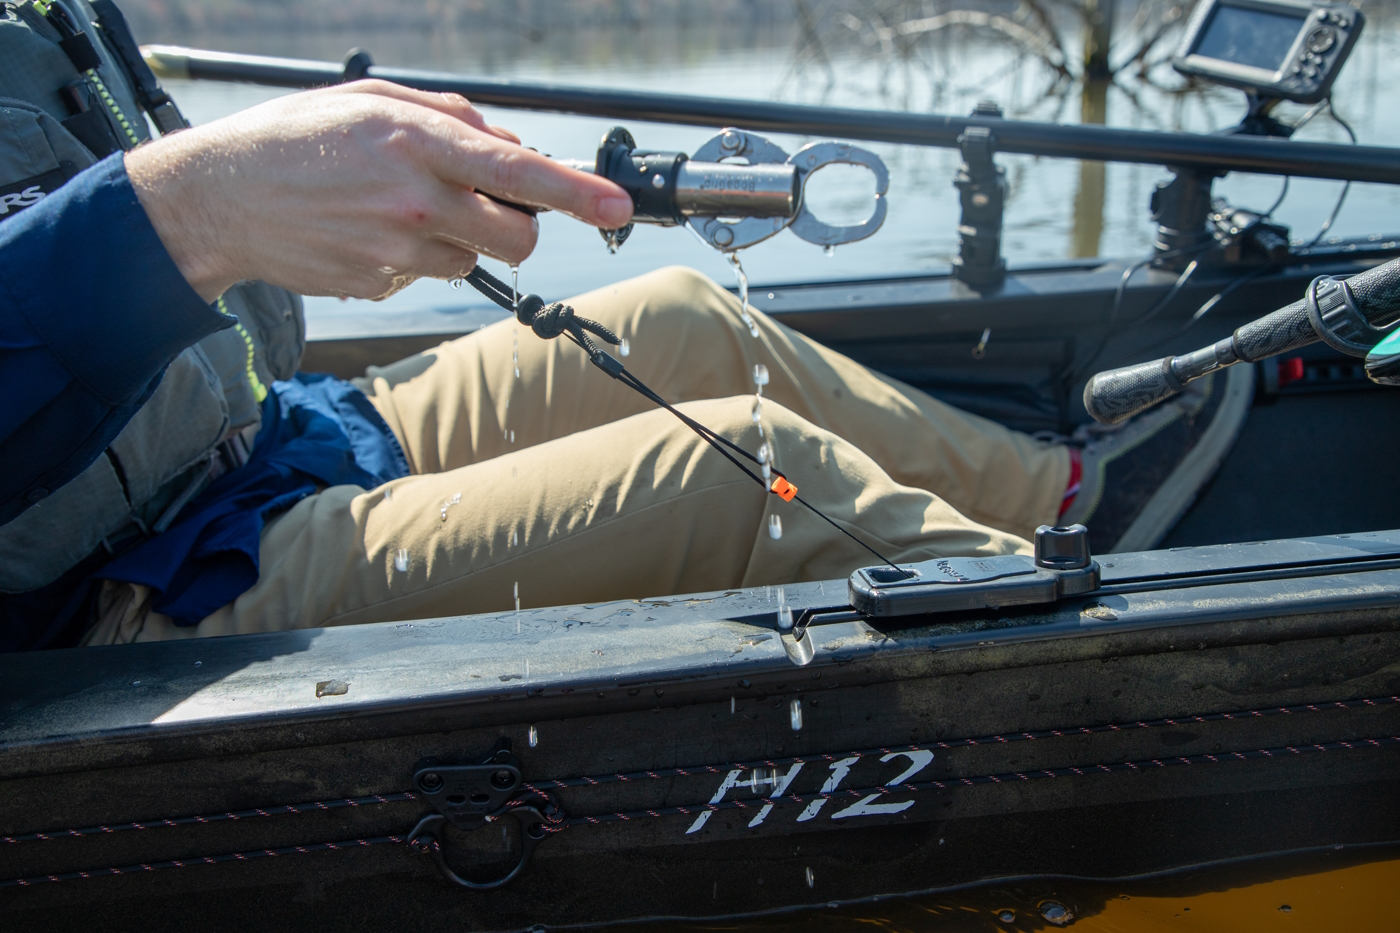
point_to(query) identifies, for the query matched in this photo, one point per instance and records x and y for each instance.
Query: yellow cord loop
(113, 106)
(259, 390)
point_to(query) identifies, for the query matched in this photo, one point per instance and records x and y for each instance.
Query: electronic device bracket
(1274, 51)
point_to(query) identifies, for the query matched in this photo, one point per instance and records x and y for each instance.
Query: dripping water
(743, 280)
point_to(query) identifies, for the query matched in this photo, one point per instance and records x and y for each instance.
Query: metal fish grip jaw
(736, 190)
(472, 796)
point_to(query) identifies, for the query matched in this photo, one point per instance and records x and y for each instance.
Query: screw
(430, 782)
(503, 779)
(729, 140)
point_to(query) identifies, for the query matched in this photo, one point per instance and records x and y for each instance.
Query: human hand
(353, 191)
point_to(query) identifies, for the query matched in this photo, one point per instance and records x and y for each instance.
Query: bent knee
(679, 290)
(740, 416)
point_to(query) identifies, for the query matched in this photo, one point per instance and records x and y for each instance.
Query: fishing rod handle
(1115, 396)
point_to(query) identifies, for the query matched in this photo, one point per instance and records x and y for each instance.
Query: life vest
(71, 94)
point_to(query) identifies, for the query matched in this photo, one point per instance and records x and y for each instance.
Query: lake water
(948, 74)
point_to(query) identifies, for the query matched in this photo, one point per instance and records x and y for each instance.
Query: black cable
(566, 323)
(1080, 365)
(1346, 188)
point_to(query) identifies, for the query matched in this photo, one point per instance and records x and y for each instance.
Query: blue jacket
(92, 310)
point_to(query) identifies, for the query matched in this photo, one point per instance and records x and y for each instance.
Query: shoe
(1137, 479)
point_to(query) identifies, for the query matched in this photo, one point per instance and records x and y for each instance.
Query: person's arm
(92, 310)
(355, 190)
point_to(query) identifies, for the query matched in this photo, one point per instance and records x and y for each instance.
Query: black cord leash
(557, 319)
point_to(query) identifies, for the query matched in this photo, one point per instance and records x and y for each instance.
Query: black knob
(1062, 548)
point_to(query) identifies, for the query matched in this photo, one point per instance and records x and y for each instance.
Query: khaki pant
(566, 486)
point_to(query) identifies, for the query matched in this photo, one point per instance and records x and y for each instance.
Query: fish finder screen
(1250, 37)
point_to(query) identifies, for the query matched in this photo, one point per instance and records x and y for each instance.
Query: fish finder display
(1251, 37)
(1274, 49)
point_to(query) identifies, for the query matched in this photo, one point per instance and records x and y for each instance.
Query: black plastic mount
(982, 189)
(469, 797)
(467, 794)
(1181, 209)
(649, 177)
(1060, 567)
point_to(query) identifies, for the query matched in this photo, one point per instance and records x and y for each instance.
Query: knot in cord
(552, 320)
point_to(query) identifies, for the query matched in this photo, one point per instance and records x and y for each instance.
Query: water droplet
(199, 664)
(1006, 916)
(811, 878)
(388, 493)
(785, 622)
(401, 560)
(830, 251)
(767, 475)
(760, 375)
(624, 348)
(136, 683)
(731, 706)
(457, 282)
(775, 527)
(514, 537)
(512, 436)
(771, 296)
(517, 602)
(1056, 913)
(743, 280)
(534, 736)
(515, 287)
(757, 409)
(765, 452)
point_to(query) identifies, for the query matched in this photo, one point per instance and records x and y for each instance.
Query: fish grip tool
(557, 319)
(1350, 315)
